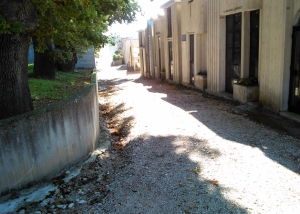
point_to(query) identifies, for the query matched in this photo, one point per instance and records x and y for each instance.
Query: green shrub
(117, 57)
(247, 81)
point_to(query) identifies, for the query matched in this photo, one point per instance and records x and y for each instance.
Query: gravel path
(178, 151)
(191, 154)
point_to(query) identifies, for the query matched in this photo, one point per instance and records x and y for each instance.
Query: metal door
(170, 60)
(294, 96)
(254, 43)
(233, 50)
(159, 56)
(192, 58)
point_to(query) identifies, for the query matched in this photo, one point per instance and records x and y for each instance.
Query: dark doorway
(254, 43)
(294, 95)
(192, 58)
(159, 56)
(170, 60)
(142, 62)
(233, 50)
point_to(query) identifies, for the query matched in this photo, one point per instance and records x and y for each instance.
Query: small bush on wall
(247, 81)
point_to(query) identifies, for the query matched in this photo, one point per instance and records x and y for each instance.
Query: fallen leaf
(214, 181)
(192, 206)
(116, 130)
(119, 146)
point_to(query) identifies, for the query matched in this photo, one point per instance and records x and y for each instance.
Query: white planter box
(117, 62)
(201, 82)
(245, 94)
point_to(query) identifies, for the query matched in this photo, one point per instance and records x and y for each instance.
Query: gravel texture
(176, 150)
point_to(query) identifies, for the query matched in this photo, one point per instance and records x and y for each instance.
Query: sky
(149, 9)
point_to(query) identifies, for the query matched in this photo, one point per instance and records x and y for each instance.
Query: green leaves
(79, 24)
(6, 28)
(74, 24)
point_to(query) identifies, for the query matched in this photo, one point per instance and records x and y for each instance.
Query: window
(169, 15)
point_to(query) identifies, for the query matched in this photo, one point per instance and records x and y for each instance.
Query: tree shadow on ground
(115, 81)
(163, 174)
(122, 67)
(286, 152)
(161, 177)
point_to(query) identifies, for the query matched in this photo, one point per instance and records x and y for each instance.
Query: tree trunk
(43, 62)
(14, 91)
(68, 66)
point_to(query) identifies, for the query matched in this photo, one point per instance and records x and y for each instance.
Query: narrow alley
(175, 150)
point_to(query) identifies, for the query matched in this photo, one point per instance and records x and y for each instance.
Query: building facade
(193, 39)
(172, 40)
(233, 39)
(253, 39)
(158, 46)
(142, 52)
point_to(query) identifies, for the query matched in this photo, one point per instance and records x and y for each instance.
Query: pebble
(62, 206)
(45, 202)
(71, 205)
(81, 202)
(84, 179)
(38, 212)
(22, 212)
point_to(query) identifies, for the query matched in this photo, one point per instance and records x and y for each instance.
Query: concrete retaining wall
(38, 145)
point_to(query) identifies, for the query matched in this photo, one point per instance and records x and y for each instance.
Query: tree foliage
(72, 24)
(78, 24)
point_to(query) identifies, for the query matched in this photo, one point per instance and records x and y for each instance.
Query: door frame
(292, 74)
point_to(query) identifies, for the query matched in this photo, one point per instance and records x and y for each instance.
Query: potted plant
(117, 58)
(163, 74)
(246, 89)
(201, 80)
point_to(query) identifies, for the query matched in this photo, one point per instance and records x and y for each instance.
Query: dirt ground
(177, 150)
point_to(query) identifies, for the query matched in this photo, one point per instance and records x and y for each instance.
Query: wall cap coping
(170, 3)
(73, 98)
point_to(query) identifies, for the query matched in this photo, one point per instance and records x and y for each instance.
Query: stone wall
(38, 145)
